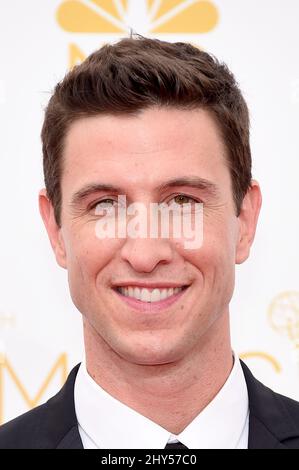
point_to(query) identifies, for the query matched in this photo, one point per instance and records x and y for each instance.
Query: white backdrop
(40, 329)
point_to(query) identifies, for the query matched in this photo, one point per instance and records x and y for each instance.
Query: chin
(151, 355)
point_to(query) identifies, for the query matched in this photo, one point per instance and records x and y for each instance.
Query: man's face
(138, 155)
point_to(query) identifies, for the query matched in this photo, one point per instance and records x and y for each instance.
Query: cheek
(87, 256)
(218, 264)
(220, 236)
(216, 256)
(87, 259)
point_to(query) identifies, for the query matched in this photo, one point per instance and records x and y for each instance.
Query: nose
(144, 254)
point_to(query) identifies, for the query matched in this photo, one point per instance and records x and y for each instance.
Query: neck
(186, 386)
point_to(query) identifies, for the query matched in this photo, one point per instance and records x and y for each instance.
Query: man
(149, 122)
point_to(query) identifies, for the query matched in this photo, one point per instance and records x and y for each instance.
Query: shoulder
(261, 395)
(23, 432)
(272, 417)
(290, 405)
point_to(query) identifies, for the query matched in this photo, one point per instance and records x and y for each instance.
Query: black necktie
(175, 445)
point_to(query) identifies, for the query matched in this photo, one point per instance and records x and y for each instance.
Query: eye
(103, 204)
(106, 202)
(182, 199)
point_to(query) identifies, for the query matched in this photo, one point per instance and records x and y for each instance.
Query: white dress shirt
(106, 423)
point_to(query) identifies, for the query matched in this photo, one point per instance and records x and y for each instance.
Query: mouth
(150, 299)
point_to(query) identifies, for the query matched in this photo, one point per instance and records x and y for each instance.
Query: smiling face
(139, 156)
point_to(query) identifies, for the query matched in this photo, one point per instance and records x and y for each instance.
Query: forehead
(144, 148)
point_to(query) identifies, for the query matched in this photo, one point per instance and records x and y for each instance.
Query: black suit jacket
(273, 421)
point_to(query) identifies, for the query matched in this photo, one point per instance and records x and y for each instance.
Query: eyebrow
(193, 182)
(92, 188)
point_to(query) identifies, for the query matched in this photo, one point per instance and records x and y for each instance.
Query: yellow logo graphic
(283, 315)
(142, 16)
(264, 356)
(60, 364)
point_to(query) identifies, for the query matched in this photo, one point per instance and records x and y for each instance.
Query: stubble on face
(139, 154)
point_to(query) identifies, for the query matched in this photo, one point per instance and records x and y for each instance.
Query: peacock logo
(141, 16)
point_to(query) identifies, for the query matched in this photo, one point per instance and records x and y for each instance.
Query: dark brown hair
(134, 74)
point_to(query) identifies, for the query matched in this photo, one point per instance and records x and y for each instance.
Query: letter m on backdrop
(60, 366)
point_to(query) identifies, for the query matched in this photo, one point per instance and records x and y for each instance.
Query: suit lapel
(260, 437)
(270, 423)
(60, 419)
(71, 440)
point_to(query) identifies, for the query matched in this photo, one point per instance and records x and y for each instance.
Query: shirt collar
(111, 424)
(221, 424)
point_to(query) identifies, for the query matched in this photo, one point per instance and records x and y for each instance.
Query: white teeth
(155, 295)
(137, 293)
(147, 295)
(131, 291)
(163, 294)
(170, 292)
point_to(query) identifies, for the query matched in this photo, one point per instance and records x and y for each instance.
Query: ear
(248, 221)
(46, 210)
